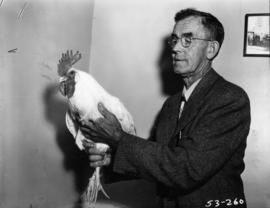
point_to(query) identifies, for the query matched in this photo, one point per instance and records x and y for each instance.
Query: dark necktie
(182, 104)
(177, 137)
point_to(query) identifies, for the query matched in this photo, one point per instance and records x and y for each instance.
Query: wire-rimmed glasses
(184, 40)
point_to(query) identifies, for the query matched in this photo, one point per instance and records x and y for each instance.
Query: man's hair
(210, 22)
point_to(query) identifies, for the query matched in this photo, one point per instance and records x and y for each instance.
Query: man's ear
(212, 49)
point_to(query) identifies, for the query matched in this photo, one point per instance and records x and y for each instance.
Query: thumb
(104, 111)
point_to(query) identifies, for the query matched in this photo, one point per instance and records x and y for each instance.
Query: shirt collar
(187, 92)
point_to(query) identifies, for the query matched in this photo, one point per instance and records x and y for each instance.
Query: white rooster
(84, 93)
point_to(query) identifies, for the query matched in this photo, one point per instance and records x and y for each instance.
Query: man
(196, 156)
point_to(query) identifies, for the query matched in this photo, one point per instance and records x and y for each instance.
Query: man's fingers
(92, 149)
(90, 125)
(105, 112)
(89, 131)
(105, 162)
(87, 144)
(86, 130)
(96, 158)
(107, 159)
(95, 151)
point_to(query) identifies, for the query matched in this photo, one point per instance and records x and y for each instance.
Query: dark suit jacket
(203, 167)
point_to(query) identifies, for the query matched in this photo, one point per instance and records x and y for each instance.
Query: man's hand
(96, 157)
(106, 130)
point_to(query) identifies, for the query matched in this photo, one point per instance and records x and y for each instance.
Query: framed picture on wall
(256, 36)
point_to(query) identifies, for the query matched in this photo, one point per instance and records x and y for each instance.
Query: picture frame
(256, 35)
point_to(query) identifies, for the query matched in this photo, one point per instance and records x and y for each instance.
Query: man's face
(189, 61)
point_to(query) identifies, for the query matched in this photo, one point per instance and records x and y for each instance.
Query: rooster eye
(72, 73)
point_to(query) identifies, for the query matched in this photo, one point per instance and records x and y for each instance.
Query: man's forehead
(189, 25)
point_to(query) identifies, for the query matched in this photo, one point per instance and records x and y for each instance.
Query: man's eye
(174, 40)
(187, 40)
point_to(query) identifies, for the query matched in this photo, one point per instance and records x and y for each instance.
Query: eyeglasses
(185, 40)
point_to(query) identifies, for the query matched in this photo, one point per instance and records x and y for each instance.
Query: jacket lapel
(197, 98)
(173, 114)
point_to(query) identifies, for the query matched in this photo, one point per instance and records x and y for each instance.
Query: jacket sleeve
(220, 131)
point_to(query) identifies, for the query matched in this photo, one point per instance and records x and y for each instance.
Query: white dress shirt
(186, 94)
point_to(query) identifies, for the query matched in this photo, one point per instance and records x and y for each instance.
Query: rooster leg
(94, 186)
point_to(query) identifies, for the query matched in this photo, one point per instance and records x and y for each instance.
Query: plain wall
(39, 164)
(123, 47)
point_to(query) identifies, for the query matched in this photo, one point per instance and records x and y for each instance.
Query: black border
(245, 35)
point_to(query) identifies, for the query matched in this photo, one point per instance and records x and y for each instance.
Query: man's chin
(179, 70)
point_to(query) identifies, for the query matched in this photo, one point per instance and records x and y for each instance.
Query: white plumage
(84, 93)
(87, 94)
